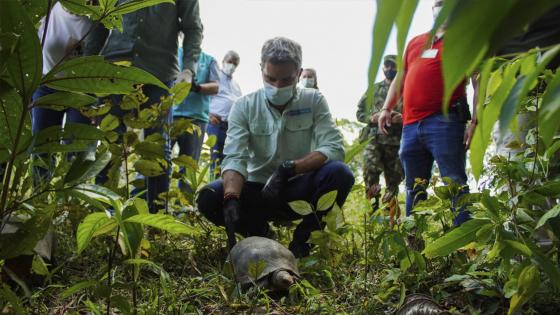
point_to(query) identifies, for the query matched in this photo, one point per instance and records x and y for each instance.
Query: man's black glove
(231, 209)
(275, 185)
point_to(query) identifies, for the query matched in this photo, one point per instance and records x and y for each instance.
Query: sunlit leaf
(88, 227)
(326, 201)
(455, 239)
(301, 207)
(62, 100)
(527, 285)
(163, 222)
(256, 268)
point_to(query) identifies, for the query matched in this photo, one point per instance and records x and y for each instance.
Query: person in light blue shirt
(282, 145)
(220, 106)
(195, 107)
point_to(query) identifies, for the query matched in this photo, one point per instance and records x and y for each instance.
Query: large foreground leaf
(88, 227)
(93, 75)
(455, 239)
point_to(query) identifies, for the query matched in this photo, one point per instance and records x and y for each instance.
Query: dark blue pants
(190, 144)
(155, 185)
(217, 150)
(433, 138)
(256, 211)
(43, 118)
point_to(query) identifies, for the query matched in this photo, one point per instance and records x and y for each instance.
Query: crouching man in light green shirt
(282, 145)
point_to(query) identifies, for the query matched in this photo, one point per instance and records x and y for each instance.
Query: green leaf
(80, 7)
(154, 150)
(455, 239)
(11, 110)
(550, 110)
(38, 266)
(88, 227)
(93, 75)
(301, 207)
(186, 162)
(256, 268)
(527, 285)
(180, 91)
(16, 304)
(110, 122)
(8, 43)
(354, 150)
(549, 189)
(163, 222)
(519, 247)
(78, 287)
(149, 168)
(62, 100)
(385, 16)
(552, 213)
(326, 201)
(403, 21)
(98, 193)
(81, 170)
(133, 5)
(548, 266)
(25, 63)
(488, 115)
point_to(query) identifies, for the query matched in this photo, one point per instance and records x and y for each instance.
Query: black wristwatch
(289, 168)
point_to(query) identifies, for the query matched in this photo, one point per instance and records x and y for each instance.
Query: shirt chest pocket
(261, 140)
(299, 124)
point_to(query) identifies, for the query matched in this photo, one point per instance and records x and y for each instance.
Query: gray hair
(231, 55)
(280, 50)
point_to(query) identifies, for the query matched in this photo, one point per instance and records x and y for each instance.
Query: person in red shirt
(428, 135)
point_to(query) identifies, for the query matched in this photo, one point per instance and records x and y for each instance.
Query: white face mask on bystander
(229, 68)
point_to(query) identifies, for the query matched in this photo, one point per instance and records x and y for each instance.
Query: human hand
(275, 184)
(396, 118)
(384, 120)
(374, 118)
(185, 76)
(232, 208)
(214, 120)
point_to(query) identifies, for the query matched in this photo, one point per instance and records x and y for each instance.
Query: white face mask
(229, 68)
(278, 96)
(308, 82)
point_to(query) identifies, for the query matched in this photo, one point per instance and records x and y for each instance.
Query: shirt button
(141, 20)
(136, 55)
(137, 37)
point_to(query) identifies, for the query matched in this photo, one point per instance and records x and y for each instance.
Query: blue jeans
(217, 150)
(43, 118)
(155, 185)
(190, 145)
(257, 211)
(433, 138)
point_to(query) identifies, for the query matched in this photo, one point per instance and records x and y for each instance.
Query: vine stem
(47, 18)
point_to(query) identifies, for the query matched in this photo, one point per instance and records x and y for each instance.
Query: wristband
(231, 196)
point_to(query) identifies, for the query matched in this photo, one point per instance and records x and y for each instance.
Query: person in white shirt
(220, 106)
(64, 31)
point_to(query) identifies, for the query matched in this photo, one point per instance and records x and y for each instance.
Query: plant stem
(10, 166)
(110, 268)
(46, 26)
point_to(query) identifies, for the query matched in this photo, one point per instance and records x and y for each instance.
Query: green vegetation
(365, 261)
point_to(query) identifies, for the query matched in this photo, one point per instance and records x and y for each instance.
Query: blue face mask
(278, 96)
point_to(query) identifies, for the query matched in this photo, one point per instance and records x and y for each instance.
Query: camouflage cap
(390, 58)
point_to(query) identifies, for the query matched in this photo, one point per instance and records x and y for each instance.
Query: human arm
(326, 136)
(393, 96)
(211, 86)
(362, 114)
(191, 26)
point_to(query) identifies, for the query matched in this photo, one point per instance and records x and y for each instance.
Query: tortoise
(420, 304)
(280, 269)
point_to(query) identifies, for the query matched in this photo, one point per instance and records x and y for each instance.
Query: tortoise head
(281, 280)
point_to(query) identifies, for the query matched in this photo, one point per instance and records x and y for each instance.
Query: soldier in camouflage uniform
(382, 152)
